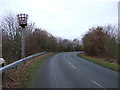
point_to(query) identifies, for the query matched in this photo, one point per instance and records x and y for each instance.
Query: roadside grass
(29, 76)
(100, 61)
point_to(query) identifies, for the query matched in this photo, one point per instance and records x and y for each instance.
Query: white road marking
(92, 80)
(73, 66)
(98, 85)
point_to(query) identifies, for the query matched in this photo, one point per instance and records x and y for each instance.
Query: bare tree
(9, 25)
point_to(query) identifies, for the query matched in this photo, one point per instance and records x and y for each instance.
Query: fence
(18, 62)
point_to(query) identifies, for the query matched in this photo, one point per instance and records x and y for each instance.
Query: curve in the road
(67, 70)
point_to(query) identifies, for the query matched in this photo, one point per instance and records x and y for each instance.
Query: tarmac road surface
(67, 70)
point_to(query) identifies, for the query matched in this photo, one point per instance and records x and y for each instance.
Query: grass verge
(31, 73)
(110, 65)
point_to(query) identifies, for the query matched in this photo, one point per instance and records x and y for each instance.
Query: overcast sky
(65, 18)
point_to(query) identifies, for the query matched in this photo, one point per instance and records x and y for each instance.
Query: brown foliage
(37, 40)
(16, 77)
(99, 42)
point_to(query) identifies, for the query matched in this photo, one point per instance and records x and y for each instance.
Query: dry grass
(14, 78)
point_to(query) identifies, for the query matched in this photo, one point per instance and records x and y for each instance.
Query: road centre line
(73, 66)
(98, 84)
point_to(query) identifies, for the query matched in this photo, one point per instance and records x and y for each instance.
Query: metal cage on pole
(22, 19)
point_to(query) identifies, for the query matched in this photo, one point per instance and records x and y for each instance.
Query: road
(67, 70)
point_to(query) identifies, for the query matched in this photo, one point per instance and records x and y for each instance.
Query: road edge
(109, 65)
(31, 73)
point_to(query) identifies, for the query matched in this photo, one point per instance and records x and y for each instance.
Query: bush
(100, 42)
